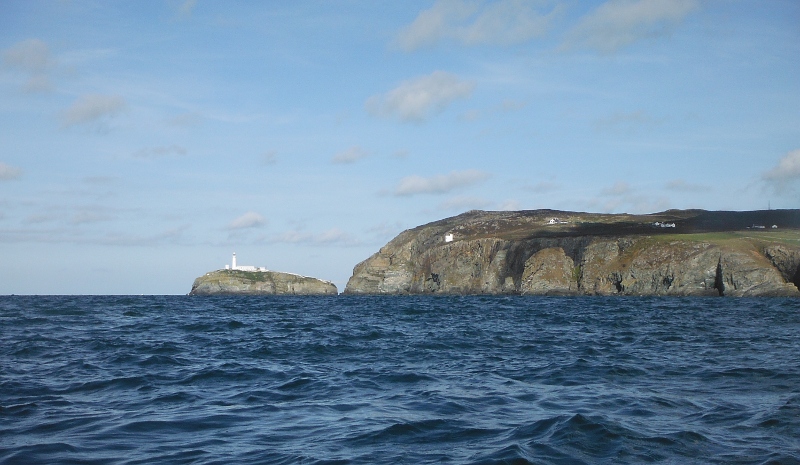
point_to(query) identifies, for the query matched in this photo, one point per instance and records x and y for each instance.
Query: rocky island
(251, 280)
(547, 252)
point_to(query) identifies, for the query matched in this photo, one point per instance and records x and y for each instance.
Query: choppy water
(374, 380)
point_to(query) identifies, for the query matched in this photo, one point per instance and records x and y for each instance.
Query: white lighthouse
(234, 267)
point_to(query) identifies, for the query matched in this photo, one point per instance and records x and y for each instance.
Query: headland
(548, 252)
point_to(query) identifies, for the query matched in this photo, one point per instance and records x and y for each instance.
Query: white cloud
(31, 57)
(333, 236)
(503, 22)
(248, 220)
(385, 230)
(543, 187)
(269, 158)
(512, 105)
(89, 216)
(187, 7)
(618, 23)
(622, 197)
(93, 107)
(785, 172)
(441, 184)
(619, 188)
(680, 185)
(163, 151)
(509, 205)
(350, 155)
(185, 120)
(416, 99)
(8, 173)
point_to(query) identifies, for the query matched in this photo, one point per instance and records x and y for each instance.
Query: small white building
(233, 266)
(448, 237)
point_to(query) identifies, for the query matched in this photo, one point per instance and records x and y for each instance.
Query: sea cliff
(546, 252)
(230, 282)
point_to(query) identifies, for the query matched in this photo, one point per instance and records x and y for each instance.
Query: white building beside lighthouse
(234, 267)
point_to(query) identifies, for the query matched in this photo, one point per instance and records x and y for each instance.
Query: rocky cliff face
(228, 282)
(522, 253)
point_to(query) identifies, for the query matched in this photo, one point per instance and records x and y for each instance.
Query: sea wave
(362, 380)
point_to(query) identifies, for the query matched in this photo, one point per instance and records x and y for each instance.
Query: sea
(398, 380)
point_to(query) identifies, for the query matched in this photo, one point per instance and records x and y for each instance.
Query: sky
(141, 143)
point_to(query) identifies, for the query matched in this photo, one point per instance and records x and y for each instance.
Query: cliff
(228, 282)
(545, 252)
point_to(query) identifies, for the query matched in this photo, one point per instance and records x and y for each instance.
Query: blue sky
(143, 142)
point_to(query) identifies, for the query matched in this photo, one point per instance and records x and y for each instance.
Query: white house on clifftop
(234, 267)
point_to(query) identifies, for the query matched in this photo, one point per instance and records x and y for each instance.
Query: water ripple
(364, 380)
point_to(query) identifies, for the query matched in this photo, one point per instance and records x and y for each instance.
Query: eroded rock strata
(698, 253)
(230, 282)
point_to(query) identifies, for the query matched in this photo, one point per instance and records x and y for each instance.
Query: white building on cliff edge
(234, 267)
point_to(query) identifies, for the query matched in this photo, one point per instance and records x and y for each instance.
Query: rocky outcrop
(524, 253)
(550, 272)
(229, 282)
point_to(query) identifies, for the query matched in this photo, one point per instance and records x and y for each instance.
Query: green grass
(256, 276)
(786, 236)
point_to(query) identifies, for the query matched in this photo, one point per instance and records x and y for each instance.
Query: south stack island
(255, 280)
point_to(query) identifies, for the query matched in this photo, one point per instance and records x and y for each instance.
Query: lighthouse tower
(233, 262)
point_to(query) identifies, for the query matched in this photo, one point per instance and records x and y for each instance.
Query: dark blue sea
(398, 380)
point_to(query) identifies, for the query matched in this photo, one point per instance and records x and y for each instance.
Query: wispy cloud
(786, 172)
(543, 187)
(248, 220)
(351, 155)
(269, 158)
(75, 235)
(509, 205)
(8, 173)
(31, 57)
(333, 236)
(503, 22)
(90, 216)
(622, 197)
(679, 185)
(619, 23)
(619, 188)
(441, 184)
(91, 108)
(158, 152)
(185, 120)
(385, 230)
(416, 99)
(187, 7)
